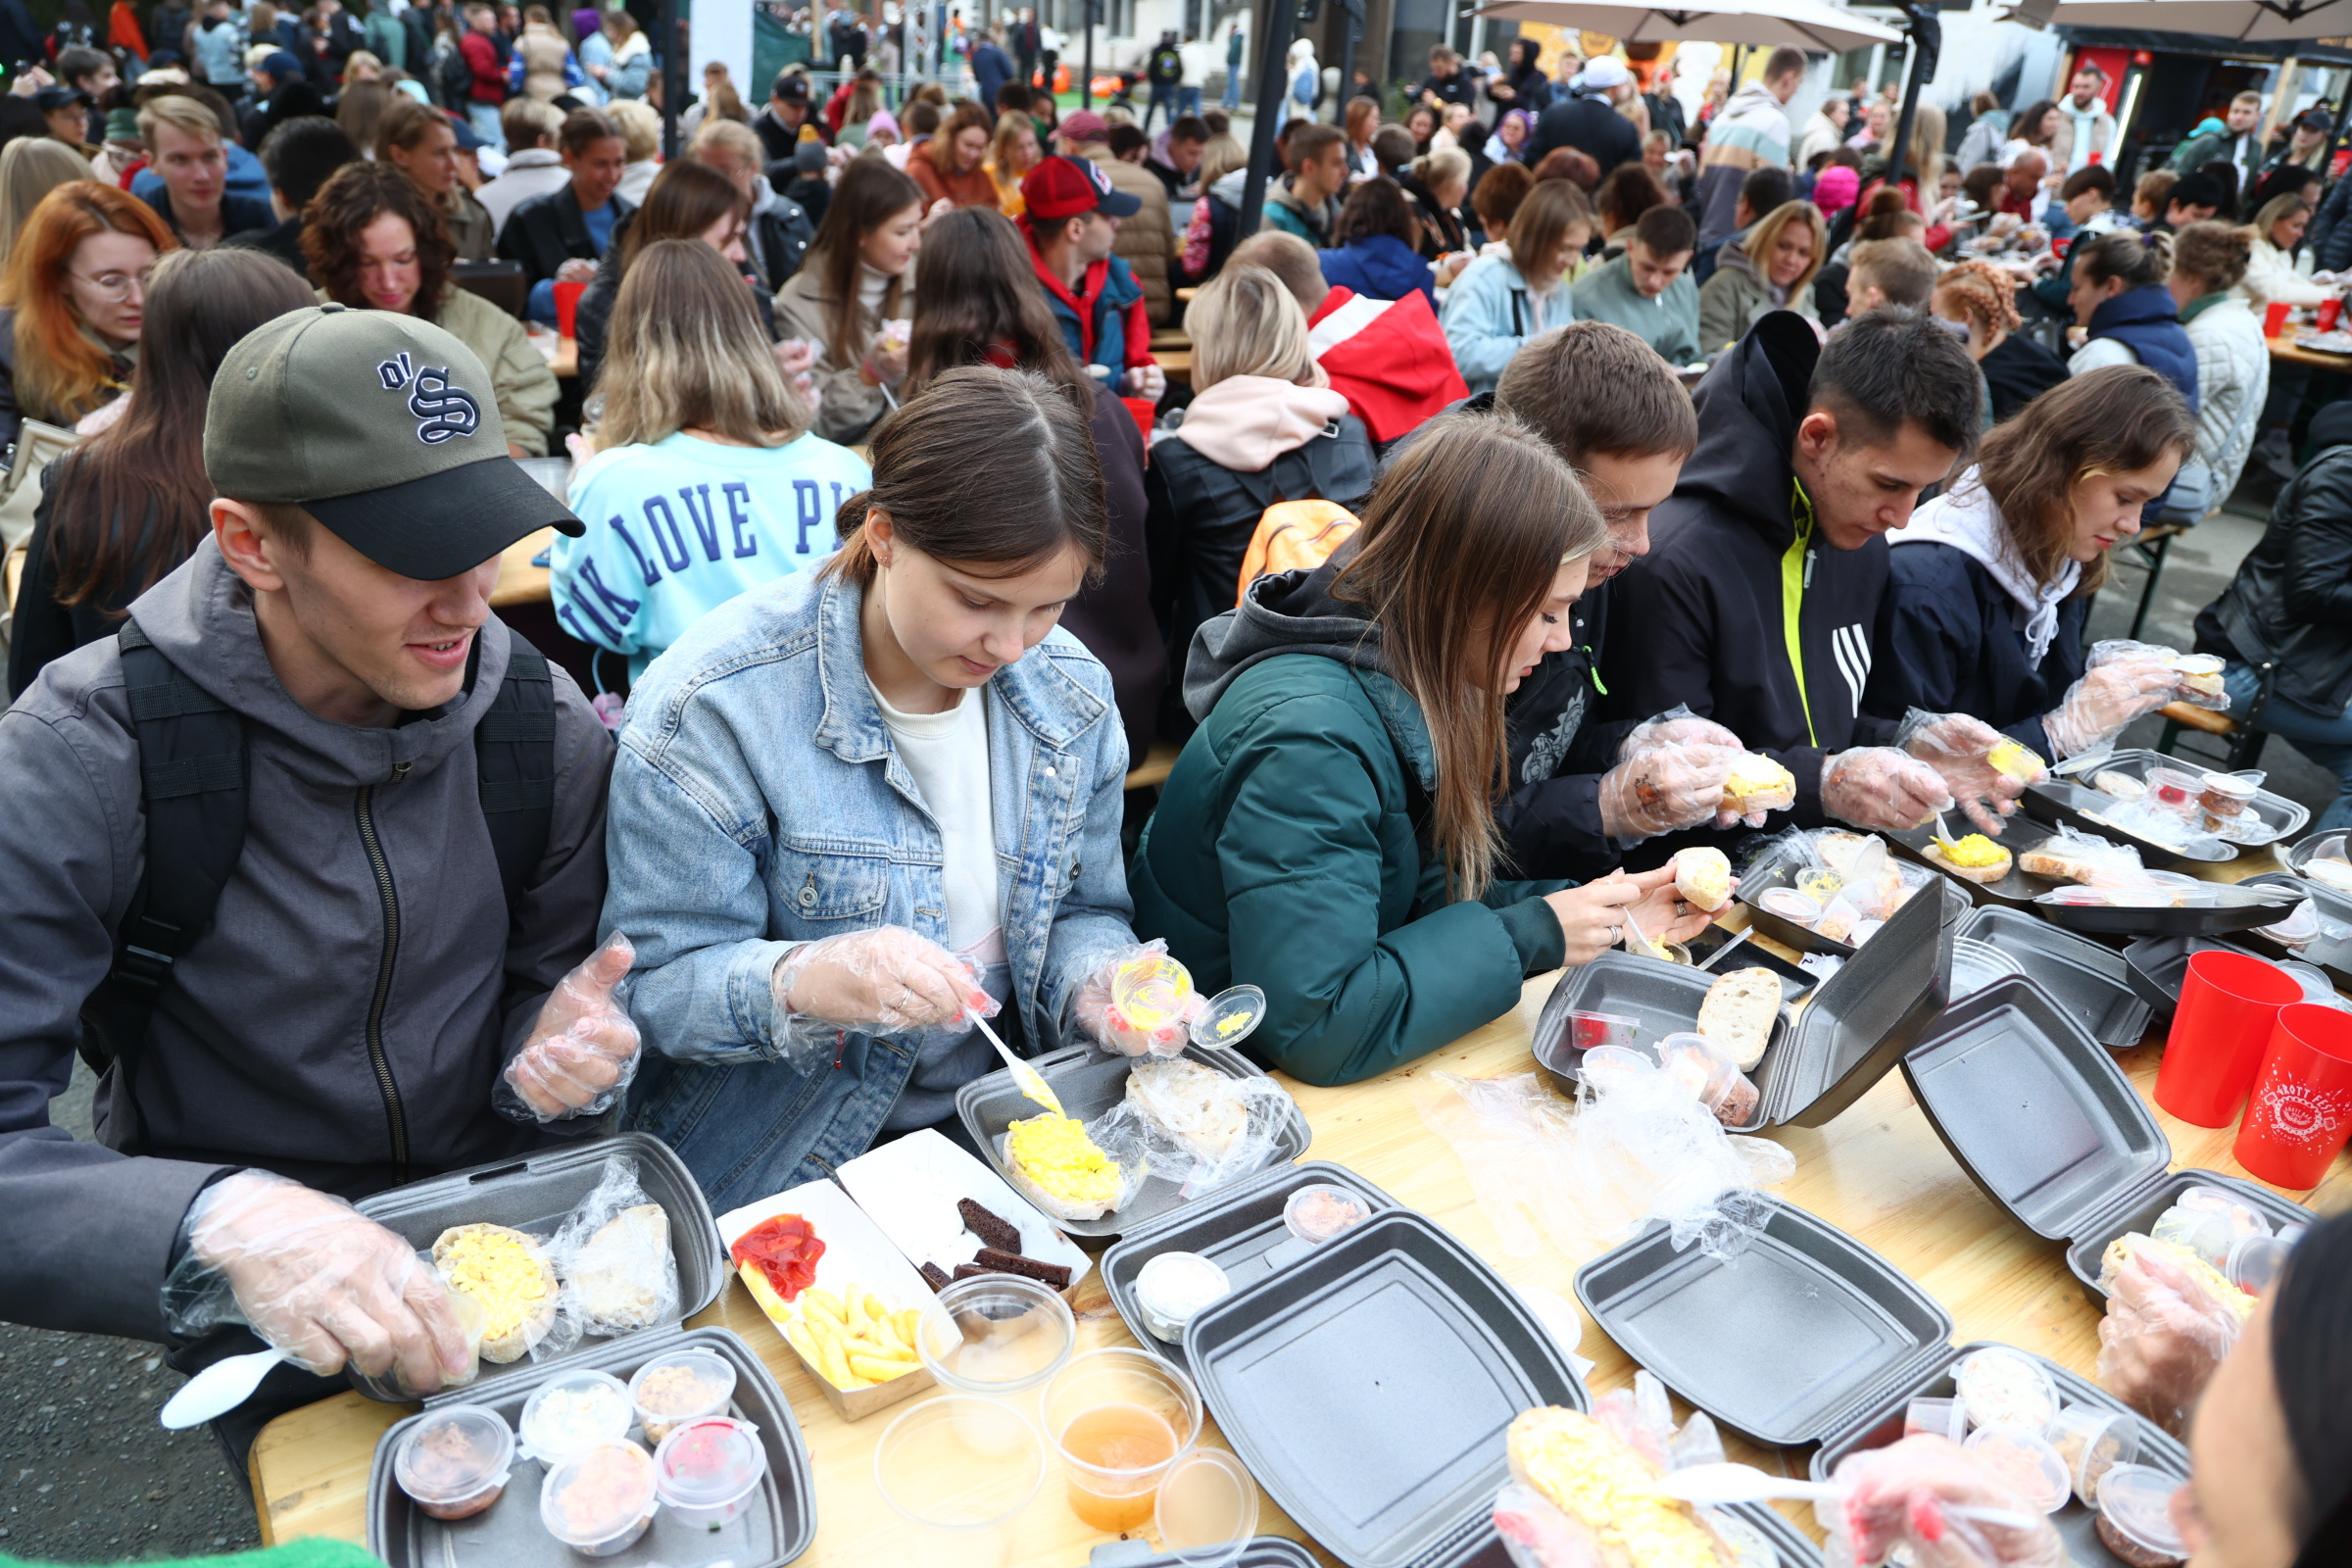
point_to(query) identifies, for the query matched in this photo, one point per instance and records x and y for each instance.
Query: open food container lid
(2088, 979)
(2034, 1108)
(1369, 1387)
(2326, 920)
(537, 1195)
(1843, 1326)
(2079, 798)
(2155, 966)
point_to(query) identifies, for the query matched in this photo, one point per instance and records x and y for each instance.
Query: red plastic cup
(2273, 320)
(2332, 310)
(2301, 1111)
(567, 307)
(2230, 1004)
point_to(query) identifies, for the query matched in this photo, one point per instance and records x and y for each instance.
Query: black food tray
(537, 1195)
(2087, 979)
(2333, 955)
(2083, 1257)
(1088, 1082)
(1768, 872)
(1741, 953)
(1369, 1386)
(2155, 966)
(778, 1527)
(2062, 800)
(2161, 920)
(2281, 818)
(1239, 1228)
(1663, 999)
(2019, 833)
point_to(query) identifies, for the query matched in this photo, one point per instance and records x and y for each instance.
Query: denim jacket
(758, 803)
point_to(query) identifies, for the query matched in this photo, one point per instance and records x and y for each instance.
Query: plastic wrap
(1173, 1003)
(1670, 774)
(583, 1051)
(2163, 1335)
(1538, 1533)
(884, 981)
(1587, 1178)
(315, 1279)
(1906, 1503)
(1880, 788)
(1083, 1180)
(613, 1256)
(1851, 876)
(1193, 1125)
(2070, 855)
(1967, 754)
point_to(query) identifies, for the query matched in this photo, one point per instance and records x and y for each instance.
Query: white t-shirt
(947, 755)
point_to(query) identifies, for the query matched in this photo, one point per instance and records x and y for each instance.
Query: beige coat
(543, 55)
(1147, 242)
(847, 408)
(520, 379)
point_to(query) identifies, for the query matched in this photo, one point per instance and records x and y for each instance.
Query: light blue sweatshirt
(680, 527)
(1489, 312)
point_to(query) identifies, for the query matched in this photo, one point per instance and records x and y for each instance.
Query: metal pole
(1086, 76)
(1273, 86)
(1927, 41)
(673, 75)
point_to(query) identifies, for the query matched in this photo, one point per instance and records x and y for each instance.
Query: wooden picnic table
(2288, 349)
(1879, 1172)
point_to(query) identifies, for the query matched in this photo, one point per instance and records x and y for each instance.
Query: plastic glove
(1677, 727)
(2109, 696)
(1901, 1497)
(1145, 381)
(1881, 789)
(1592, 918)
(1956, 746)
(1102, 1020)
(316, 1279)
(583, 1051)
(882, 980)
(2161, 1341)
(1665, 788)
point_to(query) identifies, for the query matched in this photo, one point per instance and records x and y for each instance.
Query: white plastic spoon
(1717, 1485)
(1032, 1082)
(218, 1389)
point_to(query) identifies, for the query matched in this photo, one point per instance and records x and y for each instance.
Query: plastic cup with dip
(1942, 1418)
(2027, 1463)
(995, 1335)
(1207, 1509)
(1610, 1066)
(453, 1462)
(1713, 1078)
(2006, 1388)
(671, 1390)
(2093, 1441)
(2254, 1262)
(1791, 905)
(2176, 790)
(2135, 1516)
(1118, 1419)
(2205, 1233)
(1315, 1215)
(473, 1320)
(1172, 1289)
(1818, 884)
(2227, 795)
(1590, 1031)
(705, 1471)
(576, 1411)
(960, 1470)
(600, 1499)
(2203, 1198)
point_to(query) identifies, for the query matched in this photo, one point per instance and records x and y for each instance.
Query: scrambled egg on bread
(1054, 1152)
(1592, 1476)
(505, 1270)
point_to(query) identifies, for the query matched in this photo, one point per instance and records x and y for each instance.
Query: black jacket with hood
(2291, 600)
(1702, 621)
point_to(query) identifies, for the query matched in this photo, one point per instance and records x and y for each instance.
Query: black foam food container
(1260, 1552)
(1769, 871)
(2154, 967)
(2161, 920)
(2019, 833)
(2139, 1209)
(537, 1195)
(1741, 953)
(1787, 1341)
(2335, 957)
(2281, 818)
(1088, 1082)
(1239, 1228)
(2077, 1523)
(1850, 1032)
(1369, 1386)
(776, 1529)
(2087, 978)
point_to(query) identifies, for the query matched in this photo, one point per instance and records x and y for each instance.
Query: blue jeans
(1233, 88)
(2326, 739)
(1187, 102)
(1161, 98)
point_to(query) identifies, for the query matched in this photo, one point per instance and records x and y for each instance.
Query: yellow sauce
(1054, 1152)
(1974, 851)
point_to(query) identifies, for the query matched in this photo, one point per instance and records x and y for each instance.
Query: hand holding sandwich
(585, 1048)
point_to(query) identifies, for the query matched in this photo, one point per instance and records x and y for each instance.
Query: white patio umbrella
(1807, 24)
(2247, 21)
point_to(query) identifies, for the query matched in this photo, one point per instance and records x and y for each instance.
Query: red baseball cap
(1061, 187)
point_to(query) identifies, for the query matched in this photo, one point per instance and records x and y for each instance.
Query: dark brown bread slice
(966, 1271)
(993, 1230)
(935, 1277)
(1056, 1275)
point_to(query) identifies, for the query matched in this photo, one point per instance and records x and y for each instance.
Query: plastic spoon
(218, 1389)
(1032, 1082)
(1647, 948)
(1717, 1485)
(1943, 835)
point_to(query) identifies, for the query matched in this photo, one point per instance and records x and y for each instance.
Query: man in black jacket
(1590, 121)
(1808, 457)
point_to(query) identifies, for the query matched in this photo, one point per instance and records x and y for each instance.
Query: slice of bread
(1738, 1012)
(1985, 874)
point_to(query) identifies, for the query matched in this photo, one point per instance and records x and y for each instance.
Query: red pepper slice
(784, 1248)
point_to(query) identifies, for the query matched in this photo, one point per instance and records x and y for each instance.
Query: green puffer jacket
(1284, 852)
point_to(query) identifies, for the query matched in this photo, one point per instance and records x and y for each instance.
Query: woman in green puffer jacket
(1328, 833)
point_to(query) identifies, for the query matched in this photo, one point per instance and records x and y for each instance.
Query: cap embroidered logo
(443, 409)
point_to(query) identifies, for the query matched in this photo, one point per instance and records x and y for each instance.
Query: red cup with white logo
(2300, 1113)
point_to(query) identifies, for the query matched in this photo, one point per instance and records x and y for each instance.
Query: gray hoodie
(258, 1052)
(1289, 612)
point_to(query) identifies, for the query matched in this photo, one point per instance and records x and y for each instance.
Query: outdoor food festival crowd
(1554, 502)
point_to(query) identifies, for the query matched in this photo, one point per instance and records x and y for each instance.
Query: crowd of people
(1463, 603)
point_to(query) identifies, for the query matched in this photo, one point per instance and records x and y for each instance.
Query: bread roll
(1703, 877)
(1738, 1012)
(622, 1277)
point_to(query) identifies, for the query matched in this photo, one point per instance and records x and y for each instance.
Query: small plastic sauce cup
(2176, 790)
(600, 1499)
(453, 1462)
(1790, 904)
(1591, 1031)
(1175, 1288)
(2006, 1388)
(1712, 1076)
(2135, 1520)
(574, 1412)
(705, 1471)
(2227, 795)
(2025, 1461)
(2254, 1262)
(1942, 1418)
(1606, 1066)
(674, 1389)
(2093, 1441)
(1315, 1215)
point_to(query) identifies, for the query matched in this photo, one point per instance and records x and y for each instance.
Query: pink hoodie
(1244, 422)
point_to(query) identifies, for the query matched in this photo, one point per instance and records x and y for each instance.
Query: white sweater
(2271, 276)
(2233, 380)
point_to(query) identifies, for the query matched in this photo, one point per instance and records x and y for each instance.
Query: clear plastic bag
(1193, 1125)
(1869, 881)
(614, 1260)
(1110, 1188)
(2070, 855)
(2165, 1334)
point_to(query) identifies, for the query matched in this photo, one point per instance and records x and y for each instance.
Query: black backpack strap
(515, 760)
(192, 778)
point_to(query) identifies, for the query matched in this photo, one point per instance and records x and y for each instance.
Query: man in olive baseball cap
(385, 428)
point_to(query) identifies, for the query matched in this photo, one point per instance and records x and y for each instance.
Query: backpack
(454, 74)
(1295, 536)
(192, 773)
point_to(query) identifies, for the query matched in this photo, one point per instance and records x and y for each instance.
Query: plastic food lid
(551, 1427)
(2025, 1462)
(708, 1462)
(708, 1369)
(1790, 904)
(1179, 1286)
(1231, 1016)
(2080, 1429)
(2006, 1388)
(2254, 1262)
(2231, 785)
(1605, 1066)
(597, 1493)
(995, 1334)
(1207, 1509)
(1319, 1212)
(454, 1453)
(2136, 1501)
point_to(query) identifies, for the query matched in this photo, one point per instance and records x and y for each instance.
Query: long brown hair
(355, 196)
(684, 199)
(130, 503)
(870, 195)
(1542, 224)
(1459, 545)
(992, 470)
(942, 151)
(687, 352)
(976, 302)
(62, 372)
(2119, 419)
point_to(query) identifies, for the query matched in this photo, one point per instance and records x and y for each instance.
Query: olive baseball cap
(382, 426)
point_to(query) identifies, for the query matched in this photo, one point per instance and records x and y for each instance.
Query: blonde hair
(1245, 322)
(1441, 167)
(734, 138)
(640, 124)
(686, 351)
(185, 115)
(30, 168)
(1767, 234)
(1221, 156)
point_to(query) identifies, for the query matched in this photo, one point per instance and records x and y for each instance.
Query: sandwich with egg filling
(1599, 1484)
(1973, 856)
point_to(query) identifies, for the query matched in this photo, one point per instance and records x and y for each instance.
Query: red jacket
(489, 85)
(1388, 358)
(1109, 305)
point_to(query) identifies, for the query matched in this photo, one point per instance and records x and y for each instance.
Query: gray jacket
(258, 1052)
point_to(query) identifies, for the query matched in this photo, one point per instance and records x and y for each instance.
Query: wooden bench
(1152, 771)
(2241, 742)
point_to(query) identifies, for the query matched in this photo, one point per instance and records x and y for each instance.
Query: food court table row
(1878, 1172)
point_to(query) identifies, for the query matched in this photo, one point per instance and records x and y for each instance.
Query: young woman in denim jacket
(856, 805)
